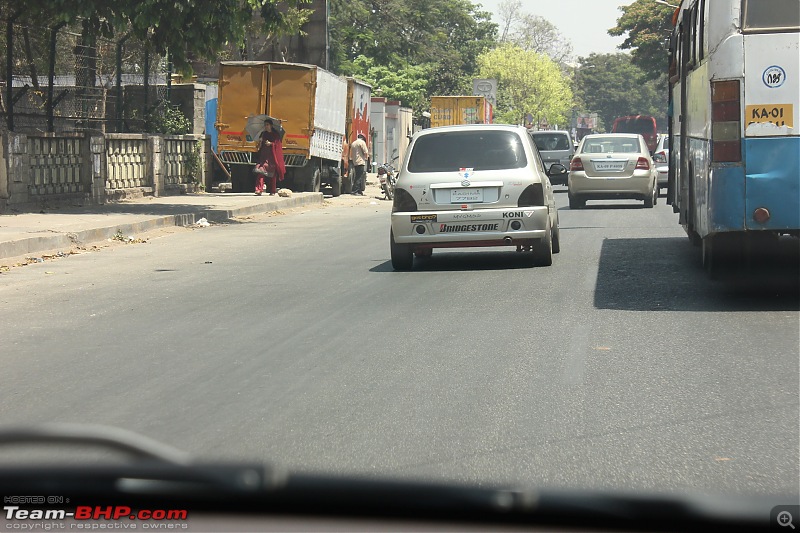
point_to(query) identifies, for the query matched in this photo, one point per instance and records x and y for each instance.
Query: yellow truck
(453, 110)
(311, 104)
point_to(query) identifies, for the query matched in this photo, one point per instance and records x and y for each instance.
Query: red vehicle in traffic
(642, 124)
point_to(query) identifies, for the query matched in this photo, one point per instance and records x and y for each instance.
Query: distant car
(555, 147)
(661, 160)
(473, 186)
(612, 165)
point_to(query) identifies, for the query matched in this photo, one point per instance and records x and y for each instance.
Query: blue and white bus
(734, 143)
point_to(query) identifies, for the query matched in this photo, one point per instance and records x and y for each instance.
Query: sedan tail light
(660, 157)
(576, 164)
(642, 164)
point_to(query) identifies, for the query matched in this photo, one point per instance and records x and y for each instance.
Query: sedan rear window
(605, 145)
(480, 150)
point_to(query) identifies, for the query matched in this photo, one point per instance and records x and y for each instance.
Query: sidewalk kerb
(40, 243)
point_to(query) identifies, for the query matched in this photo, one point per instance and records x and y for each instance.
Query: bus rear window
(771, 15)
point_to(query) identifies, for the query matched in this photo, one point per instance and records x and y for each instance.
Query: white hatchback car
(474, 185)
(612, 165)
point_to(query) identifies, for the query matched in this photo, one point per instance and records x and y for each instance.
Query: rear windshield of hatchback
(479, 150)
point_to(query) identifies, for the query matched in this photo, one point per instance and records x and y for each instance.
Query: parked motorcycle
(388, 177)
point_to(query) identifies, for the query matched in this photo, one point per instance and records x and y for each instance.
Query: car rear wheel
(543, 250)
(575, 203)
(556, 237)
(650, 202)
(402, 255)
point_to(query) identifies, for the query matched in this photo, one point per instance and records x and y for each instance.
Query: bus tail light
(726, 121)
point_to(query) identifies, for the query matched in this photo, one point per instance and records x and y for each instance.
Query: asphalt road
(290, 340)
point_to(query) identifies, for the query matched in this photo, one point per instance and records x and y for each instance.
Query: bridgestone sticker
(461, 228)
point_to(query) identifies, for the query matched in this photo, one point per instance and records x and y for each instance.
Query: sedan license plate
(606, 166)
(466, 196)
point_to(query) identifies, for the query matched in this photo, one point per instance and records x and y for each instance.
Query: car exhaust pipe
(507, 240)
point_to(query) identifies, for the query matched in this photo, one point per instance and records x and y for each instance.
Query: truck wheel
(347, 181)
(312, 185)
(242, 179)
(336, 186)
(402, 255)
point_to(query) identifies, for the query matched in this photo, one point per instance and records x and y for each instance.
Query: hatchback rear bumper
(478, 227)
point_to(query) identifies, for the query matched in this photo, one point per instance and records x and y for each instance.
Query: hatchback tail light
(576, 164)
(532, 195)
(403, 201)
(642, 164)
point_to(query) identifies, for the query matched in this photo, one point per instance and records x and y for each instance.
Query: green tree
(409, 84)
(443, 36)
(180, 27)
(612, 86)
(648, 26)
(527, 82)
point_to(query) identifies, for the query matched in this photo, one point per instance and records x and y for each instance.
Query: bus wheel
(721, 253)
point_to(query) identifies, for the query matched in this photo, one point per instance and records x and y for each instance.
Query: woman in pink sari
(269, 157)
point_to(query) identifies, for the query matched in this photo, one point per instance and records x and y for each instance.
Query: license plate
(778, 114)
(605, 167)
(466, 196)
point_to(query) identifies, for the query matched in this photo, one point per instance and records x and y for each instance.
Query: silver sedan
(610, 166)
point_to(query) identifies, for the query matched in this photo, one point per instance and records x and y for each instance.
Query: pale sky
(584, 22)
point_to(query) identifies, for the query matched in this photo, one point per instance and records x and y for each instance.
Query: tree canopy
(532, 32)
(647, 26)
(181, 27)
(443, 37)
(612, 86)
(528, 82)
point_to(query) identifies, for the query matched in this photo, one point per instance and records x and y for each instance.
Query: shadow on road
(665, 274)
(591, 207)
(450, 261)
